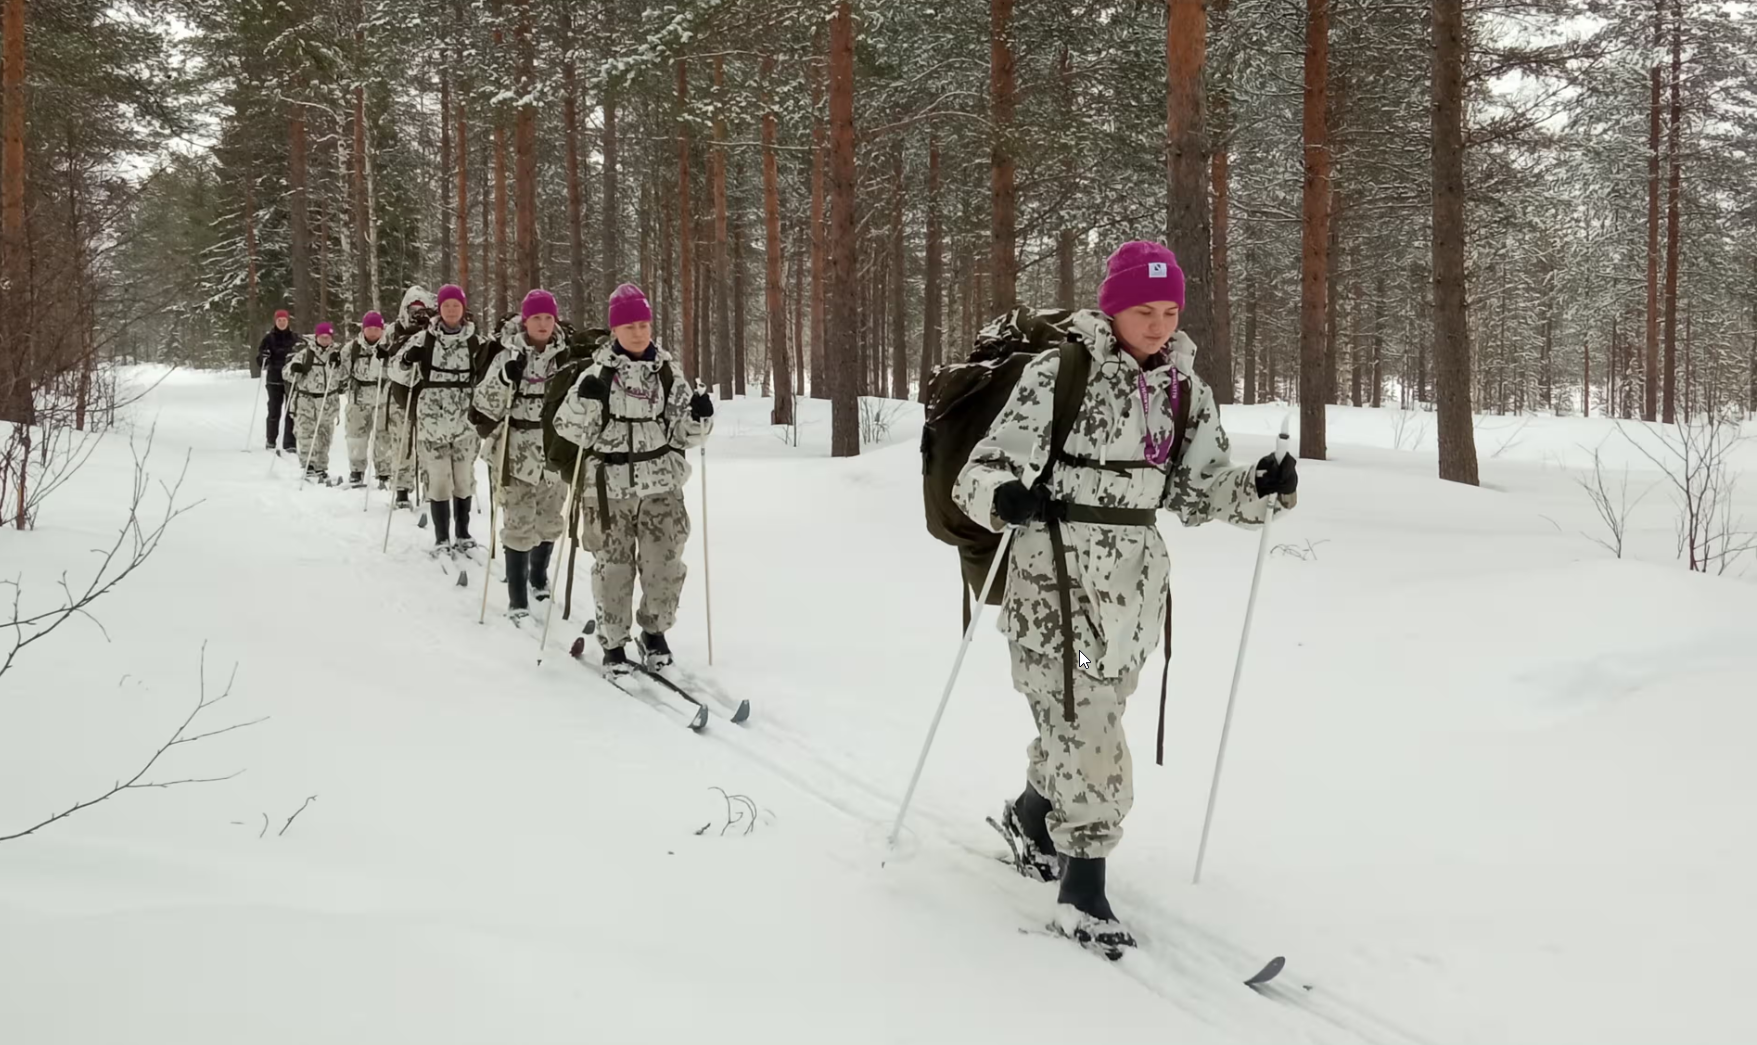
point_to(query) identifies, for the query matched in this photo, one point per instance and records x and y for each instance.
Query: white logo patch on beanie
(1156, 270)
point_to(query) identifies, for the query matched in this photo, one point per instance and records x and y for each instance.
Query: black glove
(514, 371)
(592, 386)
(335, 358)
(382, 351)
(701, 405)
(299, 368)
(1017, 505)
(1277, 477)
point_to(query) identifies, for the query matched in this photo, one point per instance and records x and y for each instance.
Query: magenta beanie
(1140, 272)
(451, 292)
(322, 329)
(538, 303)
(371, 319)
(629, 305)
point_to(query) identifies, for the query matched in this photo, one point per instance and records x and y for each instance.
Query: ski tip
(422, 522)
(1269, 972)
(700, 720)
(591, 626)
(578, 648)
(742, 713)
(463, 578)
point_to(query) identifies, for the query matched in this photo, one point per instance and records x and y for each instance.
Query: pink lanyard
(1155, 450)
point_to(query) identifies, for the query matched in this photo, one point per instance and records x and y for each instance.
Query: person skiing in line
(633, 415)
(271, 358)
(414, 316)
(441, 366)
(365, 367)
(1087, 539)
(532, 494)
(317, 377)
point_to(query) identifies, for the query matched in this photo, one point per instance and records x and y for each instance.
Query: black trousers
(277, 396)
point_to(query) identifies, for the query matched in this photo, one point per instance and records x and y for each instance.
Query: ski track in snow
(1466, 741)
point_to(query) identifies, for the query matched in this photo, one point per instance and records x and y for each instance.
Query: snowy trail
(1475, 760)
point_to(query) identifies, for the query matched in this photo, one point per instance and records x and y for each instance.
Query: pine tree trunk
(933, 308)
(821, 384)
(722, 335)
(16, 403)
(1221, 177)
(899, 283)
(1315, 235)
(530, 265)
(1003, 190)
(1332, 285)
(299, 216)
(1251, 396)
(446, 258)
(739, 283)
(501, 273)
(1672, 217)
(1188, 214)
(252, 306)
(1586, 378)
(686, 262)
(1455, 428)
(801, 250)
(576, 231)
(463, 208)
(612, 205)
(774, 303)
(1356, 372)
(1650, 405)
(323, 243)
(362, 214)
(1378, 397)
(841, 348)
(1067, 238)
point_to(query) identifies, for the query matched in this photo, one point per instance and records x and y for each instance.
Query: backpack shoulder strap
(1070, 389)
(665, 380)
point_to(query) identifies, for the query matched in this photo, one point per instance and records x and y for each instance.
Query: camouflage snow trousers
(531, 513)
(314, 438)
(448, 465)
(393, 443)
(1083, 767)
(361, 431)
(644, 535)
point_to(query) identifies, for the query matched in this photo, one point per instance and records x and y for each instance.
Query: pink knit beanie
(1140, 272)
(629, 305)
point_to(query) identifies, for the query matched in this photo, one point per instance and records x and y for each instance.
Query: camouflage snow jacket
(634, 438)
(493, 394)
(320, 379)
(1119, 575)
(364, 368)
(443, 369)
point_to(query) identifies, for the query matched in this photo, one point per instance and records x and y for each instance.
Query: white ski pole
(496, 491)
(407, 441)
(572, 536)
(261, 390)
(372, 437)
(707, 572)
(1000, 557)
(1281, 446)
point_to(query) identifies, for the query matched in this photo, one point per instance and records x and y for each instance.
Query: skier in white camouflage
(634, 415)
(364, 360)
(532, 494)
(441, 365)
(1124, 459)
(315, 380)
(414, 316)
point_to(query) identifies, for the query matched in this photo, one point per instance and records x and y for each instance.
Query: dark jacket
(272, 354)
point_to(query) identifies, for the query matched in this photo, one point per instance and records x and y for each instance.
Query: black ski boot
(655, 652)
(1024, 825)
(441, 526)
(383, 482)
(460, 510)
(616, 662)
(517, 565)
(1083, 913)
(356, 480)
(540, 570)
(403, 501)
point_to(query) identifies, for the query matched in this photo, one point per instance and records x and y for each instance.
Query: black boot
(357, 480)
(460, 510)
(655, 652)
(616, 662)
(1025, 827)
(403, 500)
(517, 563)
(1085, 911)
(540, 570)
(441, 525)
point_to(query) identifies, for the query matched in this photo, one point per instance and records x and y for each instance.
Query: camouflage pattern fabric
(448, 463)
(1119, 573)
(532, 495)
(643, 535)
(441, 366)
(532, 512)
(318, 391)
(638, 421)
(364, 369)
(392, 443)
(1084, 767)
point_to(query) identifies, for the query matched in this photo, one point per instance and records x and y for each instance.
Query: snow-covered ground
(1486, 783)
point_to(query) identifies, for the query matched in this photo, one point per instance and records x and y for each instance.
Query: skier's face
(372, 334)
(324, 340)
(451, 312)
(281, 322)
(1145, 329)
(540, 328)
(634, 337)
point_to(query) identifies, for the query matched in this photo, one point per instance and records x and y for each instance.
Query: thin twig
(295, 816)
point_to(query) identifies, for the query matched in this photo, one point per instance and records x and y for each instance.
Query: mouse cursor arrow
(1082, 660)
